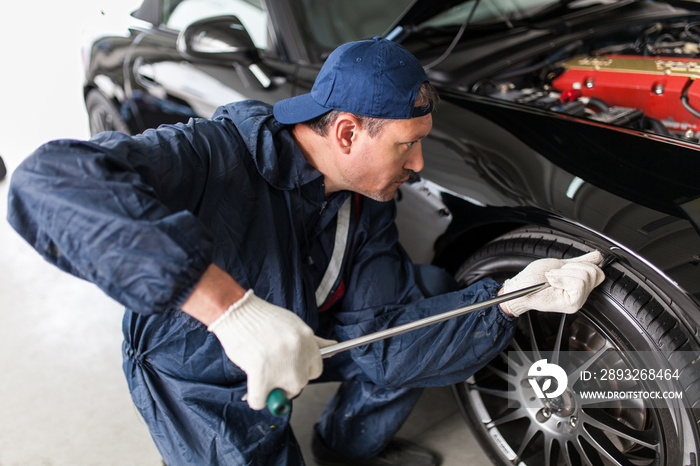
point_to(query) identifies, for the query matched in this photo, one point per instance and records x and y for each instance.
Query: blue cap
(375, 78)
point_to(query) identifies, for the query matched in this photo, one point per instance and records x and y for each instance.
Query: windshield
(334, 22)
(488, 11)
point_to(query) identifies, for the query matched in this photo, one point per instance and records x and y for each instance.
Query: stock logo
(542, 371)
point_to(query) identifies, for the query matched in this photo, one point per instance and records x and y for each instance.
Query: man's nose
(416, 162)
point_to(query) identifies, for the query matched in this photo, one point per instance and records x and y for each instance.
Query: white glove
(570, 280)
(274, 347)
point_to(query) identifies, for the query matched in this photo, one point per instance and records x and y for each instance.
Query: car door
(167, 86)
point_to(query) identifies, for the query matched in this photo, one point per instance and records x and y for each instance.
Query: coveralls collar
(275, 153)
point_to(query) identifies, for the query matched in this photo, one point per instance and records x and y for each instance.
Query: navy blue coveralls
(142, 217)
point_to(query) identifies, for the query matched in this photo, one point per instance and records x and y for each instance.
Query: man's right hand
(274, 347)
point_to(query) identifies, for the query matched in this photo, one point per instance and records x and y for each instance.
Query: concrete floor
(63, 398)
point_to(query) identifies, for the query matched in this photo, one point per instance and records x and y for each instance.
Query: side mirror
(220, 38)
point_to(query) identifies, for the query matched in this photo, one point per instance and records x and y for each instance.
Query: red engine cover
(653, 85)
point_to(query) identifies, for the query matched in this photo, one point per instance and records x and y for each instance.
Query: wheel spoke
(524, 358)
(550, 455)
(574, 375)
(511, 379)
(577, 450)
(510, 416)
(600, 419)
(532, 336)
(491, 391)
(503, 356)
(527, 439)
(557, 344)
(588, 457)
(602, 445)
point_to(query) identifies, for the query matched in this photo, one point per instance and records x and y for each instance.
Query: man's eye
(410, 144)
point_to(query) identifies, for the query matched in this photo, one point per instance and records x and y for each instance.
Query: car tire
(624, 312)
(103, 115)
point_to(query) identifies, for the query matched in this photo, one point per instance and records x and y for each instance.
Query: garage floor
(63, 398)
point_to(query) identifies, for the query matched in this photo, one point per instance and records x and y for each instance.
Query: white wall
(63, 398)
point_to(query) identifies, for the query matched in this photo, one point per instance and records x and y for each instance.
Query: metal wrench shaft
(336, 348)
(279, 404)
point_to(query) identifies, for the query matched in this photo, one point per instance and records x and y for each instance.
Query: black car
(565, 126)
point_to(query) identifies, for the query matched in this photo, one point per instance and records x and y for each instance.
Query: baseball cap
(375, 78)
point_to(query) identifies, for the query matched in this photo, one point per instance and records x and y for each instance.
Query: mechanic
(243, 243)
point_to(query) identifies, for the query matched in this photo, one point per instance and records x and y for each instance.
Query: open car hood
(420, 11)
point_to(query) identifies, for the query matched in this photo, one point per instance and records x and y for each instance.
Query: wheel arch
(473, 226)
(120, 107)
(457, 244)
(451, 251)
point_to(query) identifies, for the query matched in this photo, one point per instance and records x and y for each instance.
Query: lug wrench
(279, 404)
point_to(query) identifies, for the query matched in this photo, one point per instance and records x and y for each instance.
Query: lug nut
(543, 415)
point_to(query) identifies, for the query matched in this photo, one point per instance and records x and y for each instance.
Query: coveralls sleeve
(382, 293)
(120, 211)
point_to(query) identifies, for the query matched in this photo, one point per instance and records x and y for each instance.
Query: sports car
(565, 126)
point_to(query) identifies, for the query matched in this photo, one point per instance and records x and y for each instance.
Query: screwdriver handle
(278, 403)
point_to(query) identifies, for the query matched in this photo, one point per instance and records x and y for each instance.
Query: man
(238, 247)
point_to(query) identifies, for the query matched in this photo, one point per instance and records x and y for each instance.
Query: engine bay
(645, 81)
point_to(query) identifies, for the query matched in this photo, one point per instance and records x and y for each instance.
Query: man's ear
(345, 131)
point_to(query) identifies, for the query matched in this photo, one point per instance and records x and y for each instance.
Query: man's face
(378, 165)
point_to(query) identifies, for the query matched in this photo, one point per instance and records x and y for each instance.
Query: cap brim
(297, 109)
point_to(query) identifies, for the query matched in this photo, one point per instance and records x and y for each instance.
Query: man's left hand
(570, 280)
